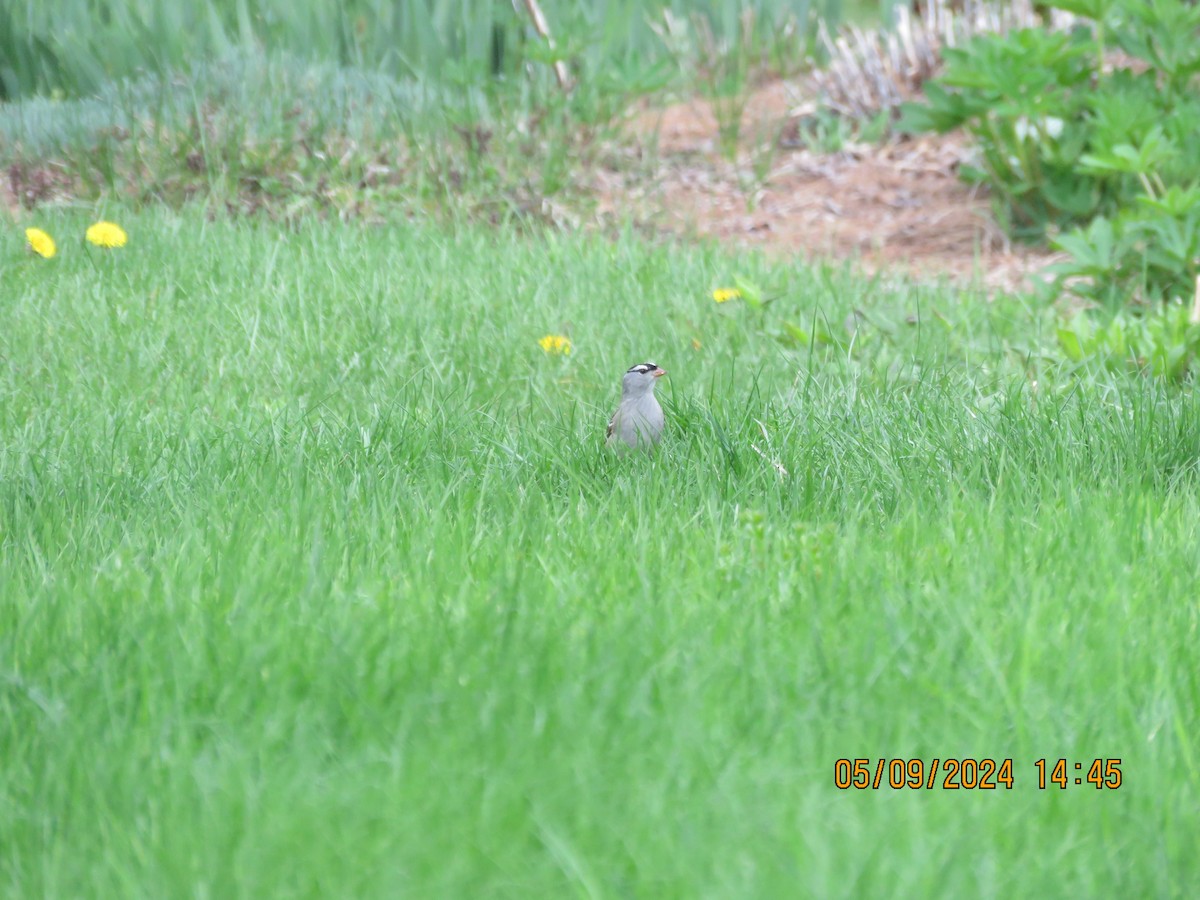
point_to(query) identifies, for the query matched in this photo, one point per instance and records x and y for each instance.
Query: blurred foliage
(77, 46)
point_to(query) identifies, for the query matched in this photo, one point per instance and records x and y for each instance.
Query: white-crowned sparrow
(638, 421)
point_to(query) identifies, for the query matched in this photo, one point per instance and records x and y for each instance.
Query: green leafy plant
(1023, 96)
(1149, 250)
(1164, 343)
(1087, 138)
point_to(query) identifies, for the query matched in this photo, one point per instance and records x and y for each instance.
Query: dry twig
(542, 28)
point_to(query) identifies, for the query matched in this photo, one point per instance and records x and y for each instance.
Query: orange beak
(659, 373)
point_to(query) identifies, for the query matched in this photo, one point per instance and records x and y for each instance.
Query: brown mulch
(899, 207)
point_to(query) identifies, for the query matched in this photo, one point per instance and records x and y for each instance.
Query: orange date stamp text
(970, 774)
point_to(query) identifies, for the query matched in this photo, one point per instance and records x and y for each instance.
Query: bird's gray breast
(641, 422)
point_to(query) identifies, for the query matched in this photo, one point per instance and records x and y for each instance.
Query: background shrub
(1087, 138)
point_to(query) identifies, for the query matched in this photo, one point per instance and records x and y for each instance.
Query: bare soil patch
(897, 207)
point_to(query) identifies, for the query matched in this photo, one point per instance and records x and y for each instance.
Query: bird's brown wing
(612, 423)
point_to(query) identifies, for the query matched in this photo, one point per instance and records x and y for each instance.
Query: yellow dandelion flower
(40, 242)
(723, 294)
(107, 234)
(556, 344)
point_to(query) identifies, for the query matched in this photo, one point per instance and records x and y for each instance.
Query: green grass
(314, 579)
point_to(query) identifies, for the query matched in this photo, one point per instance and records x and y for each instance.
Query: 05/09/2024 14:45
(968, 773)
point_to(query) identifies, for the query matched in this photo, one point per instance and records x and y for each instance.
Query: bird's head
(640, 379)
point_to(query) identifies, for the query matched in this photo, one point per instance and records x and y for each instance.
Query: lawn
(316, 580)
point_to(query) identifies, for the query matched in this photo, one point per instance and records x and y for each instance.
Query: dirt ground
(899, 207)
